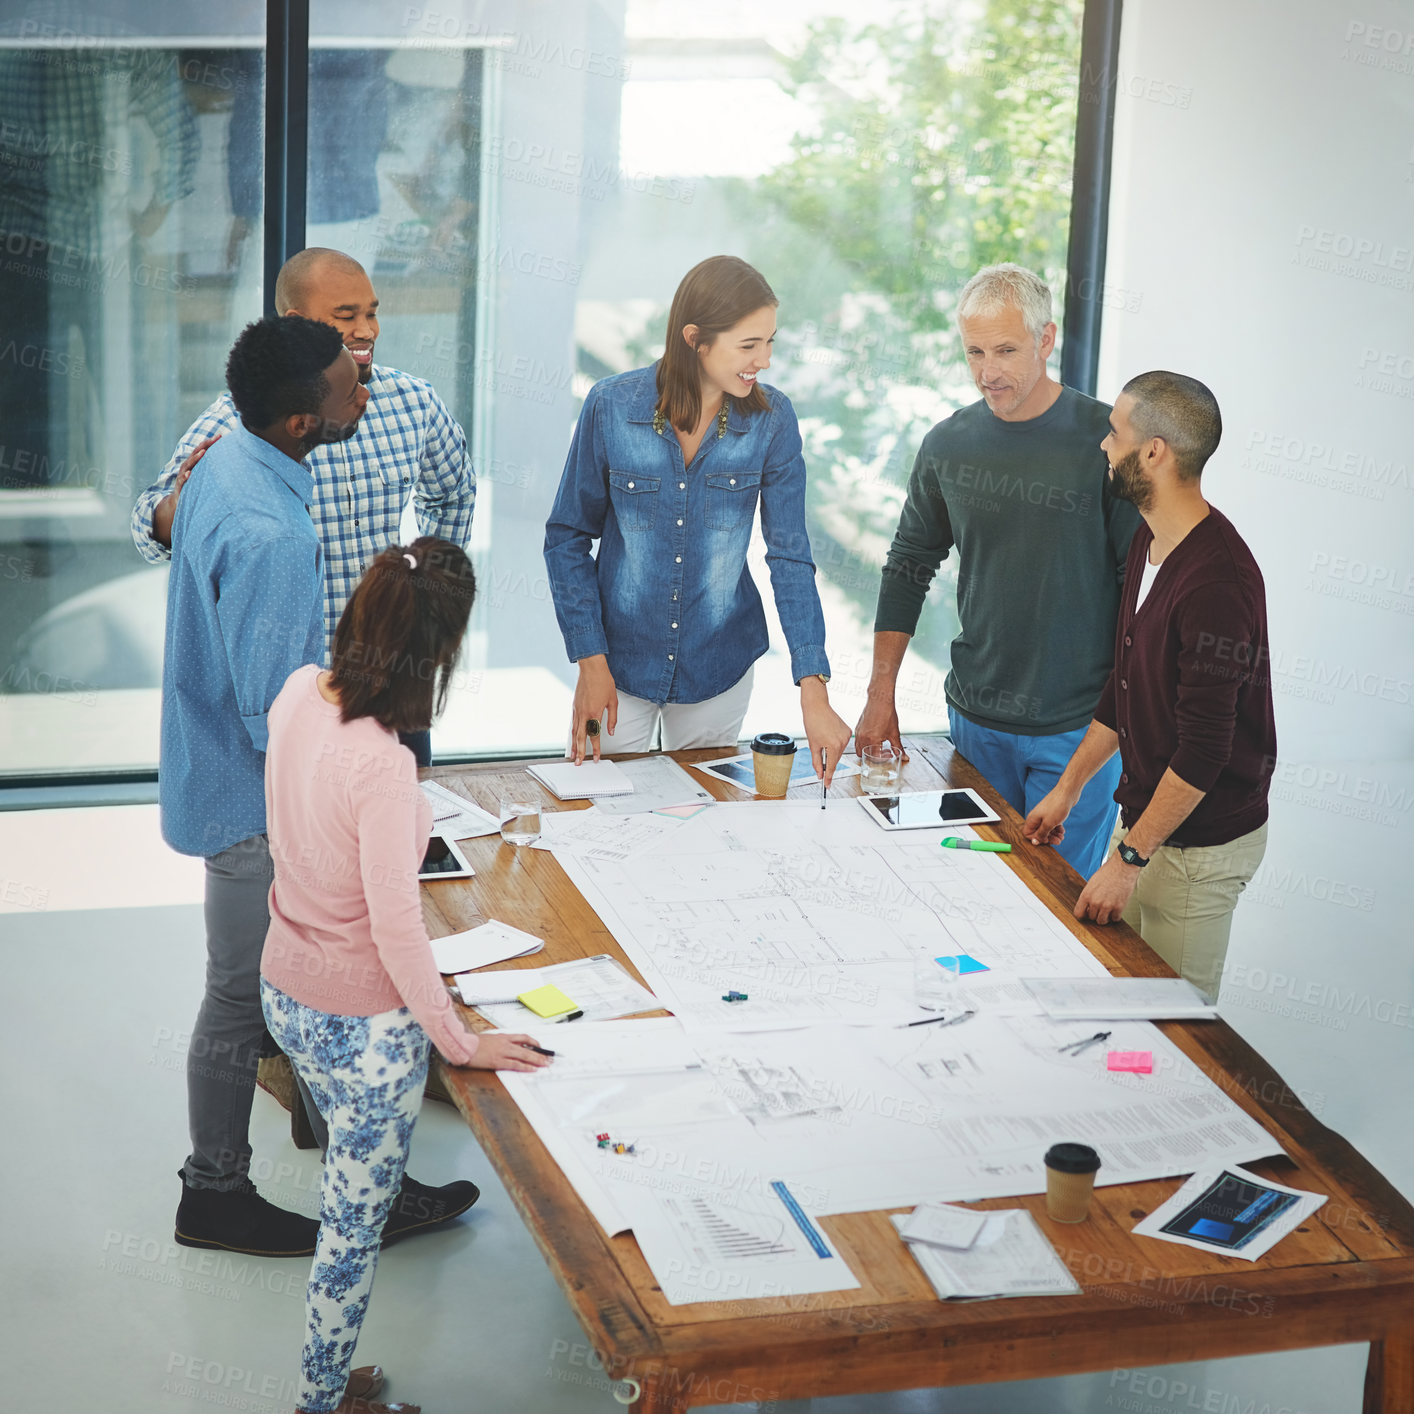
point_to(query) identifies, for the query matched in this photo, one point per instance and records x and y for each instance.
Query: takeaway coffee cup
(1070, 1180)
(772, 756)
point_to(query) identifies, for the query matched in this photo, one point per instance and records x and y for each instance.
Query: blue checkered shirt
(407, 443)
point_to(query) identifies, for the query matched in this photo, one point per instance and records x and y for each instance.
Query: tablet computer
(443, 860)
(928, 809)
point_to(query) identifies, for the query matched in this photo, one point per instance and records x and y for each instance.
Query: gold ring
(591, 727)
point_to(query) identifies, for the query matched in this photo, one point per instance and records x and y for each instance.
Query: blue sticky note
(964, 964)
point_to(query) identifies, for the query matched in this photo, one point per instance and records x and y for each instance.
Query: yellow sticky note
(546, 1001)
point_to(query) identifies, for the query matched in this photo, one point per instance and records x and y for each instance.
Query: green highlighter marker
(985, 846)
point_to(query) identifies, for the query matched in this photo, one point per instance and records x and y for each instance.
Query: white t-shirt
(1146, 582)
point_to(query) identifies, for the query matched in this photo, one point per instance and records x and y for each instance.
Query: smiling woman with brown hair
(666, 469)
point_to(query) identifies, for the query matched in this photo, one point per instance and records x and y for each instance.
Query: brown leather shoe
(366, 1382)
(353, 1404)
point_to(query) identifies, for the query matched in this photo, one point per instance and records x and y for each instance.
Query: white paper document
(1230, 1211)
(482, 946)
(456, 818)
(718, 1243)
(1010, 1257)
(596, 834)
(1120, 998)
(817, 916)
(942, 1225)
(855, 1119)
(598, 986)
(659, 783)
(590, 778)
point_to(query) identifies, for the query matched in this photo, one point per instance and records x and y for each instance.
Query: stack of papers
(455, 818)
(481, 946)
(659, 783)
(598, 986)
(571, 782)
(1008, 1257)
(1120, 998)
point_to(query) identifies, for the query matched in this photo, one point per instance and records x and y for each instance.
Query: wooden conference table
(1346, 1275)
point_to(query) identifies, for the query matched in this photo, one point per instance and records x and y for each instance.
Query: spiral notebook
(571, 782)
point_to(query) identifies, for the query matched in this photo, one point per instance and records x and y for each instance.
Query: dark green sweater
(1041, 545)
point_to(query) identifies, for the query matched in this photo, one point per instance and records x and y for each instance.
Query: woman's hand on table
(596, 699)
(505, 1050)
(826, 731)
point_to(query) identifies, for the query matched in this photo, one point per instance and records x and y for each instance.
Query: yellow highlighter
(547, 1001)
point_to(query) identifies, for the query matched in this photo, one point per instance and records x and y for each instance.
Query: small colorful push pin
(632, 1149)
(603, 1140)
(619, 1148)
(734, 996)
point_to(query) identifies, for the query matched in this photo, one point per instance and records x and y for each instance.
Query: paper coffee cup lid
(773, 744)
(1072, 1158)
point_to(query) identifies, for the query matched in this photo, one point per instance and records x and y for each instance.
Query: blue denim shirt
(245, 608)
(669, 598)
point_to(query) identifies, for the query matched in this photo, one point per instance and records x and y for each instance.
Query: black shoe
(418, 1206)
(240, 1220)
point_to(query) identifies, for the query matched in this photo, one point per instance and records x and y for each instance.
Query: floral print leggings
(366, 1074)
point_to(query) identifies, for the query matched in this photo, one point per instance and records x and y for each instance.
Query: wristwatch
(1130, 855)
(824, 677)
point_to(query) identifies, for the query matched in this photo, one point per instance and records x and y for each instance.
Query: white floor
(101, 1310)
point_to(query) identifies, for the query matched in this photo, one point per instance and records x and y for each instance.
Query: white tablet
(928, 809)
(444, 860)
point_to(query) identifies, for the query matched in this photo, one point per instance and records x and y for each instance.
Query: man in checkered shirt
(407, 444)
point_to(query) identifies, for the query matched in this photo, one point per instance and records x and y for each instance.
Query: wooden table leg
(1389, 1376)
(660, 1394)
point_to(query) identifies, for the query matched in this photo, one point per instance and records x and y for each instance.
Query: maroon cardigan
(1191, 686)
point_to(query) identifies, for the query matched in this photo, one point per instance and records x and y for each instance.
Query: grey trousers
(230, 1026)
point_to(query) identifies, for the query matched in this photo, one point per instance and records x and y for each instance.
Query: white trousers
(680, 726)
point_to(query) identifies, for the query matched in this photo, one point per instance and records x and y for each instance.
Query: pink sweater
(348, 827)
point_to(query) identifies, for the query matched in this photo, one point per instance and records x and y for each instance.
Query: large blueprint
(818, 915)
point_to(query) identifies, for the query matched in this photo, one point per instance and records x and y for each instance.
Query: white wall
(1262, 239)
(1265, 229)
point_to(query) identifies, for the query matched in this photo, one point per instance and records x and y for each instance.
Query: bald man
(408, 445)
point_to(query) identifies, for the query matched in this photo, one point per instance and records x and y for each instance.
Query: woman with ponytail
(348, 984)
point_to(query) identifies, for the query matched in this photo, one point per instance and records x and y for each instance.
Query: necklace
(660, 422)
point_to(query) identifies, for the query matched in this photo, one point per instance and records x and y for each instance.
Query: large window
(526, 184)
(121, 288)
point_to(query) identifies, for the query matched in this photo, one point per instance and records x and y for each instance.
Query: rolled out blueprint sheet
(817, 915)
(853, 1119)
(595, 834)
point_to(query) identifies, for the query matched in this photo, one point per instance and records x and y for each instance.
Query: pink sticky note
(1138, 1062)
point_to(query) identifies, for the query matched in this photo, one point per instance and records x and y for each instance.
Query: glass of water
(881, 769)
(934, 980)
(520, 820)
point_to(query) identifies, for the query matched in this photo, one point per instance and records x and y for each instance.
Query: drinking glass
(934, 980)
(520, 820)
(881, 770)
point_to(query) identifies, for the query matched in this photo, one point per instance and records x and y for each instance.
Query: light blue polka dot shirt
(244, 610)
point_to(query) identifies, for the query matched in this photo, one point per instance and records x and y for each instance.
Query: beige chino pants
(1182, 906)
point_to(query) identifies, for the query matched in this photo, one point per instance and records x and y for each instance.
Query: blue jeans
(367, 1074)
(1022, 769)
